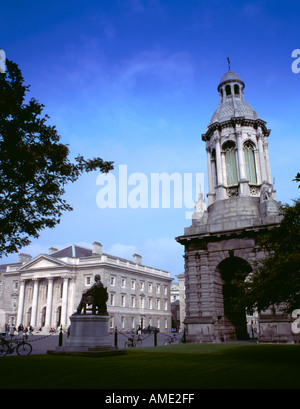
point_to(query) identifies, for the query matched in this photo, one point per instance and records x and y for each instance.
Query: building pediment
(43, 262)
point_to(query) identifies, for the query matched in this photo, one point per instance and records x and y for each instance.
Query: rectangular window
(123, 298)
(142, 302)
(157, 288)
(150, 287)
(123, 282)
(87, 281)
(150, 303)
(133, 302)
(113, 281)
(165, 290)
(112, 299)
(133, 284)
(142, 286)
(166, 304)
(158, 304)
(122, 322)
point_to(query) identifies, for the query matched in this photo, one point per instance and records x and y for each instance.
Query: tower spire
(228, 63)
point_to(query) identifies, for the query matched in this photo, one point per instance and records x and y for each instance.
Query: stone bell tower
(220, 245)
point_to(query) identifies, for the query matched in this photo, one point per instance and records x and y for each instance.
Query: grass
(184, 366)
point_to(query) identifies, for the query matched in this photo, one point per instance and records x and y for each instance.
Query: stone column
(257, 166)
(34, 302)
(268, 169)
(241, 161)
(244, 183)
(71, 307)
(262, 157)
(220, 189)
(219, 162)
(211, 188)
(21, 302)
(49, 303)
(64, 306)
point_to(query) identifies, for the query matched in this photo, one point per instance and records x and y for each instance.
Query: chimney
(24, 258)
(52, 250)
(137, 259)
(97, 248)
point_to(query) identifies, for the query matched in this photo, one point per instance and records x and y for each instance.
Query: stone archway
(233, 272)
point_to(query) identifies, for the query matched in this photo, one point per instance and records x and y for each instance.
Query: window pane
(250, 163)
(232, 178)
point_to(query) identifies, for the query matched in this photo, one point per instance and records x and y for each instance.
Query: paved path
(41, 343)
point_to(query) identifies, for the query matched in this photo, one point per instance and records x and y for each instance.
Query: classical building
(220, 245)
(174, 291)
(44, 291)
(178, 303)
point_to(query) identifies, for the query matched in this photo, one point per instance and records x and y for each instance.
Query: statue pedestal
(88, 331)
(88, 335)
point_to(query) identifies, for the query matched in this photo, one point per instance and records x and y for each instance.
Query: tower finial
(228, 63)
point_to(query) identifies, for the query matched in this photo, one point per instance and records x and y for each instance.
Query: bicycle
(9, 346)
(131, 342)
(170, 340)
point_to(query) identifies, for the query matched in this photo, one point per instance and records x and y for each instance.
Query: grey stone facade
(221, 242)
(45, 291)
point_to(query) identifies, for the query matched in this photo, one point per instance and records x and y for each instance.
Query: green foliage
(277, 279)
(34, 166)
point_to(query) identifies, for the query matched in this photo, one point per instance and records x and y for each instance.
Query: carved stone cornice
(233, 122)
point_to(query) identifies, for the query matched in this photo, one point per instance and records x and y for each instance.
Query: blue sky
(135, 82)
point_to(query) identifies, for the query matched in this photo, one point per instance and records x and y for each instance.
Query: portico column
(64, 301)
(34, 302)
(49, 304)
(71, 297)
(21, 302)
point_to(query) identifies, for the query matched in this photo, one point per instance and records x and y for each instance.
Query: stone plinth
(88, 335)
(88, 331)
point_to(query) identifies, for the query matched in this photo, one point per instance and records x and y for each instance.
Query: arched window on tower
(230, 160)
(250, 162)
(236, 89)
(228, 90)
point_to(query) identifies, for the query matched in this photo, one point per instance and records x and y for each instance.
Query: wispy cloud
(172, 71)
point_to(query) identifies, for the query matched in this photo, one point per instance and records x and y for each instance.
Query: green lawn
(184, 366)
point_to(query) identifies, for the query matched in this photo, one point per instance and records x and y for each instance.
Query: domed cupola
(232, 102)
(236, 145)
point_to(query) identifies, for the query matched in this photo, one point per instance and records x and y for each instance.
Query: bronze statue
(96, 296)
